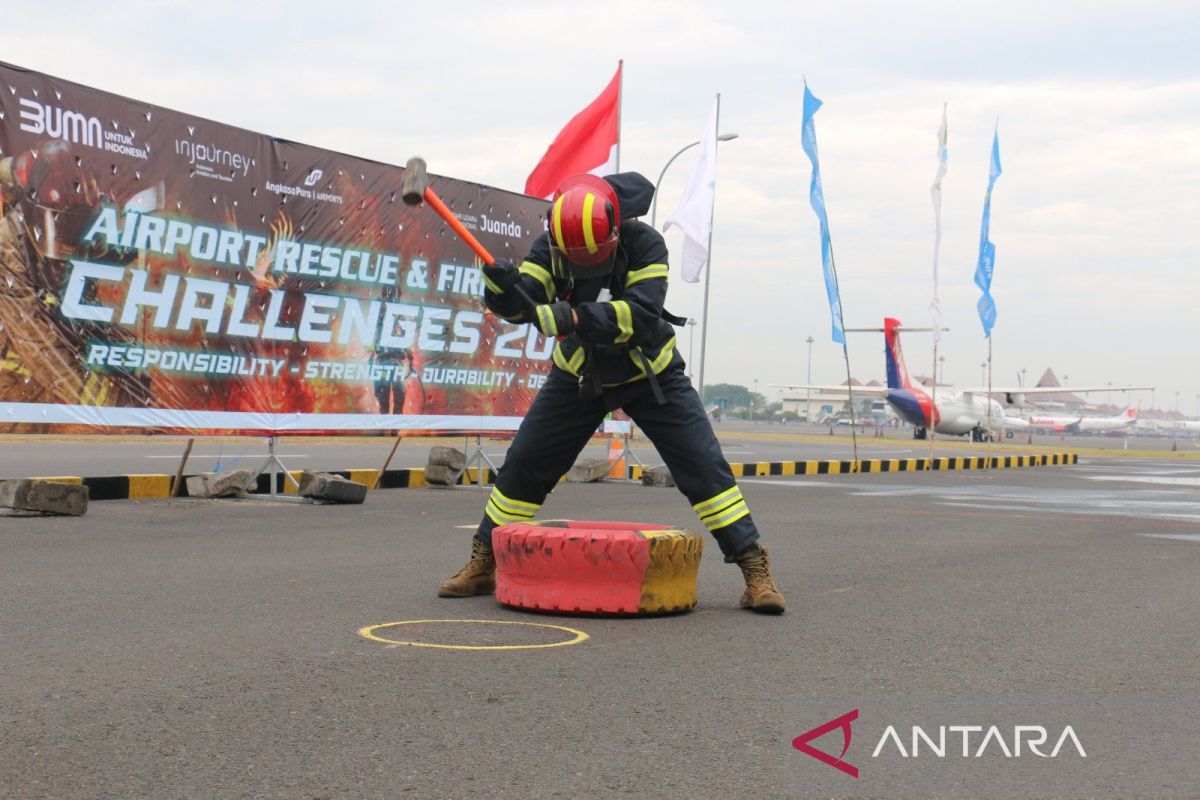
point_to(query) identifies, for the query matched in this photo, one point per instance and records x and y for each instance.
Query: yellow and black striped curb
(873, 465)
(152, 487)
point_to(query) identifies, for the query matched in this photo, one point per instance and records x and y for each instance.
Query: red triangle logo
(801, 742)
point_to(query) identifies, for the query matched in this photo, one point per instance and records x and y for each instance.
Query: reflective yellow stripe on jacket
(572, 365)
(539, 273)
(575, 363)
(649, 271)
(658, 363)
(624, 321)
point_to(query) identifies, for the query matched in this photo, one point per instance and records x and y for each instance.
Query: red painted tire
(572, 566)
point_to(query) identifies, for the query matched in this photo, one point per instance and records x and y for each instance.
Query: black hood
(634, 193)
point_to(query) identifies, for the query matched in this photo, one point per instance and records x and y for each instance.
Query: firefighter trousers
(560, 423)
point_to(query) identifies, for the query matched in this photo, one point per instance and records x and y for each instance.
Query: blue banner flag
(987, 250)
(817, 197)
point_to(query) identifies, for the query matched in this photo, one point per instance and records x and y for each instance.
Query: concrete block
(331, 488)
(440, 475)
(659, 476)
(448, 457)
(588, 470)
(219, 484)
(44, 497)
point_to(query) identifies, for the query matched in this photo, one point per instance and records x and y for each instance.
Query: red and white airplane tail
(897, 373)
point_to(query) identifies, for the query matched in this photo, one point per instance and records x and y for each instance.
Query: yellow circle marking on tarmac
(369, 633)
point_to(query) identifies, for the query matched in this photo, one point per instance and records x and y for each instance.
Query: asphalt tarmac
(211, 649)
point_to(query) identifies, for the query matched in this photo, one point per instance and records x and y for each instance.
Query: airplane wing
(881, 391)
(1052, 389)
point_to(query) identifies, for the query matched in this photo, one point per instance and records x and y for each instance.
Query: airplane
(957, 412)
(1119, 422)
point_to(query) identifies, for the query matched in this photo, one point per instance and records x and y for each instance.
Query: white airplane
(957, 412)
(1058, 424)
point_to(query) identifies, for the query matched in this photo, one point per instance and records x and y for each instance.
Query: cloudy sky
(1096, 219)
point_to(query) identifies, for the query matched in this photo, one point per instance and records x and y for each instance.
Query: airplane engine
(1015, 399)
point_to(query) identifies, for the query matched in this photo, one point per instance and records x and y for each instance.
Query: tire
(573, 566)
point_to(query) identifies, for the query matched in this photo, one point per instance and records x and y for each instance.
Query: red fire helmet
(584, 219)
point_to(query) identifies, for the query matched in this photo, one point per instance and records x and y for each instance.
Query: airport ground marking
(368, 632)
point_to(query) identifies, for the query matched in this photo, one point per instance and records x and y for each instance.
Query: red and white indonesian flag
(695, 212)
(587, 145)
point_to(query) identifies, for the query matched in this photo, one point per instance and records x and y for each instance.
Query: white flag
(694, 214)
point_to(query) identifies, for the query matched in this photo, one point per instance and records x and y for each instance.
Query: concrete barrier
(330, 488)
(43, 497)
(219, 484)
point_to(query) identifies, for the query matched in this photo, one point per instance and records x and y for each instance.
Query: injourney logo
(942, 741)
(208, 158)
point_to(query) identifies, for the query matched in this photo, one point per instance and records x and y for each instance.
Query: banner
(986, 265)
(160, 270)
(816, 196)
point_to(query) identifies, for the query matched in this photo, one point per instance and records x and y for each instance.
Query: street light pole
(691, 323)
(808, 388)
(724, 137)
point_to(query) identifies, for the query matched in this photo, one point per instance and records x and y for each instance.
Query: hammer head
(416, 180)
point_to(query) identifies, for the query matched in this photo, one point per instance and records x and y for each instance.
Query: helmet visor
(579, 263)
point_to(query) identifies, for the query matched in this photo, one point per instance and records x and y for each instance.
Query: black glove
(553, 319)
(501, 276)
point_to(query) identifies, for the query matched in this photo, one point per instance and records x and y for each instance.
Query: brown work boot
(477, 577)
(762, 595)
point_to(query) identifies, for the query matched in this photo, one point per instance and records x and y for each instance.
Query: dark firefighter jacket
(621, 331)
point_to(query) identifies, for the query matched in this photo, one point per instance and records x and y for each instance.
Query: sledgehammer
(415, 188)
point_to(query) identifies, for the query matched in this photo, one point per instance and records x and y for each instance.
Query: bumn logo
(59, 124)
(801, 742)
(313, 177)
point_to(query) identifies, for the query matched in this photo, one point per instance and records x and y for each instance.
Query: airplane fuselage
(955, 414)
(1082, 424)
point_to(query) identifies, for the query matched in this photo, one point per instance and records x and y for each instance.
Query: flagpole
(708, 265)
(846, 358)
(935, 192)
(933, 404)
(991, 438)
(620, 100)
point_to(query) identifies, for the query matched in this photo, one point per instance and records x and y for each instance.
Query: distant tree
(728, 395)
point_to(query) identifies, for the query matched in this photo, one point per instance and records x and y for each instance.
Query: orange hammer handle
(445, 213)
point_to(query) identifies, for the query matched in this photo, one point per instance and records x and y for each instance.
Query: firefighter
(597, 279)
